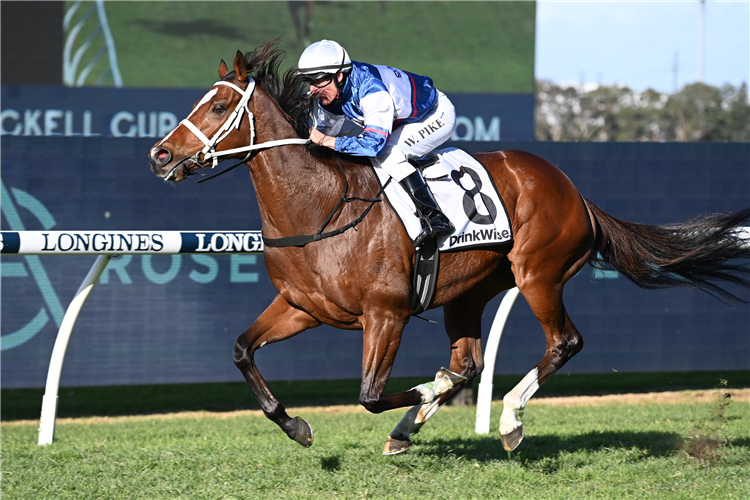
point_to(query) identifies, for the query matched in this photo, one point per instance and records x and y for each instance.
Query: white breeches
(413, 140)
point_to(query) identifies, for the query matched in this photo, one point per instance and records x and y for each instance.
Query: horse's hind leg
(463, 324)
(278, 322)
(553, 240)
(563, 342)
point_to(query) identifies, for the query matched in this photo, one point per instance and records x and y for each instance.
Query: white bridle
(232, 123)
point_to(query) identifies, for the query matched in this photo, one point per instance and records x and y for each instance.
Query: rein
(233, 122)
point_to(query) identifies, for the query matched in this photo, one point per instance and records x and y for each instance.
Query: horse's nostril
(160, 156)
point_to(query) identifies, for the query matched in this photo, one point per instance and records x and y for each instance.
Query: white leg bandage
(444, 382)
(515, 401)
(405, 426)
(415, 418)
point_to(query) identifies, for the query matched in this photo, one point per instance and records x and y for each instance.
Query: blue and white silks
(377, 99)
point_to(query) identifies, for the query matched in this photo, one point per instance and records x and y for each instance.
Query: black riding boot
(434, 221)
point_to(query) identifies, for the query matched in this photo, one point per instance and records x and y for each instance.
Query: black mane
(290, 93)
(287, 89)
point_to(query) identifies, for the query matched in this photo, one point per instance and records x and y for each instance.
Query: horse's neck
(296, 191)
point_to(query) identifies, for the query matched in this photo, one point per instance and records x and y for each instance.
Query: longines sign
(128, 242)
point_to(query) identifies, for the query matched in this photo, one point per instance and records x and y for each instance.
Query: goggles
(318, 79)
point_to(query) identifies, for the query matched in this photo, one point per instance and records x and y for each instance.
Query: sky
(636, 43)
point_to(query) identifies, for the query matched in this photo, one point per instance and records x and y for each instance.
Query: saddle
(467, 195)
(423, 162)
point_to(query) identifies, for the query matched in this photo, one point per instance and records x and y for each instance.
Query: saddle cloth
(466, 194)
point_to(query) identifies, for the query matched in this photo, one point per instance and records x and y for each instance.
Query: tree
(698, 112)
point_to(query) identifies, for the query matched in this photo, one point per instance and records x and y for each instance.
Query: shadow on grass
(740, 443)
(640, 445)
(330, 464)
(24, 404)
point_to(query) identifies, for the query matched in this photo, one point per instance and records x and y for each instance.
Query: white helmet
(325, 56)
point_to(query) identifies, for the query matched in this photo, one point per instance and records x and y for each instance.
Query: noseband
(232, 123)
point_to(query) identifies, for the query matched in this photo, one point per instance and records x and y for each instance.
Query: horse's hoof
(395, 446)
(512, 439)
(303, 433)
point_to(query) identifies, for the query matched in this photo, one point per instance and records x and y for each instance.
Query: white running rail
(105, 244)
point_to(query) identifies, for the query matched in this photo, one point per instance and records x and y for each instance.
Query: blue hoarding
(48, 111)
(171, 319)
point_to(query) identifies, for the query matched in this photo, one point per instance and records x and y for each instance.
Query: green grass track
(614, 451)
(683, 450)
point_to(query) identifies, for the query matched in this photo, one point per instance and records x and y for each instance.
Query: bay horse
(260, 116)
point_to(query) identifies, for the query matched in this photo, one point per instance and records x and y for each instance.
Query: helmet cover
(325, 56)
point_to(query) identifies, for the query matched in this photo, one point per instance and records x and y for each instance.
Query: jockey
(383, 113)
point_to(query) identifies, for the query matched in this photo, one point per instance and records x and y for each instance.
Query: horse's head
(220, 121)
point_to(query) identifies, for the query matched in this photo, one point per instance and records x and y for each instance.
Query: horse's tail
(696, 253)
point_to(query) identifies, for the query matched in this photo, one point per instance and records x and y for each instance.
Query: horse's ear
(239, 67)
(223, 70)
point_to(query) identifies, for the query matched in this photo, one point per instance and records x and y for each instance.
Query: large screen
(477, 47)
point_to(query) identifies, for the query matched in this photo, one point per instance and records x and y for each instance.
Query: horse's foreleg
(399, 439)
(464, 330)
(382, 337)
(278, 322)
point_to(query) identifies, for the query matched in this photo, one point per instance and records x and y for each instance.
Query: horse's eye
(219, 109)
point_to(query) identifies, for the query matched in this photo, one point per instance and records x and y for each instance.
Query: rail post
(49, 400)
(484, 393)
(105, 244)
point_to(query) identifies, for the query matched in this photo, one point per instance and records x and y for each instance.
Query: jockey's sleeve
(378, 112)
